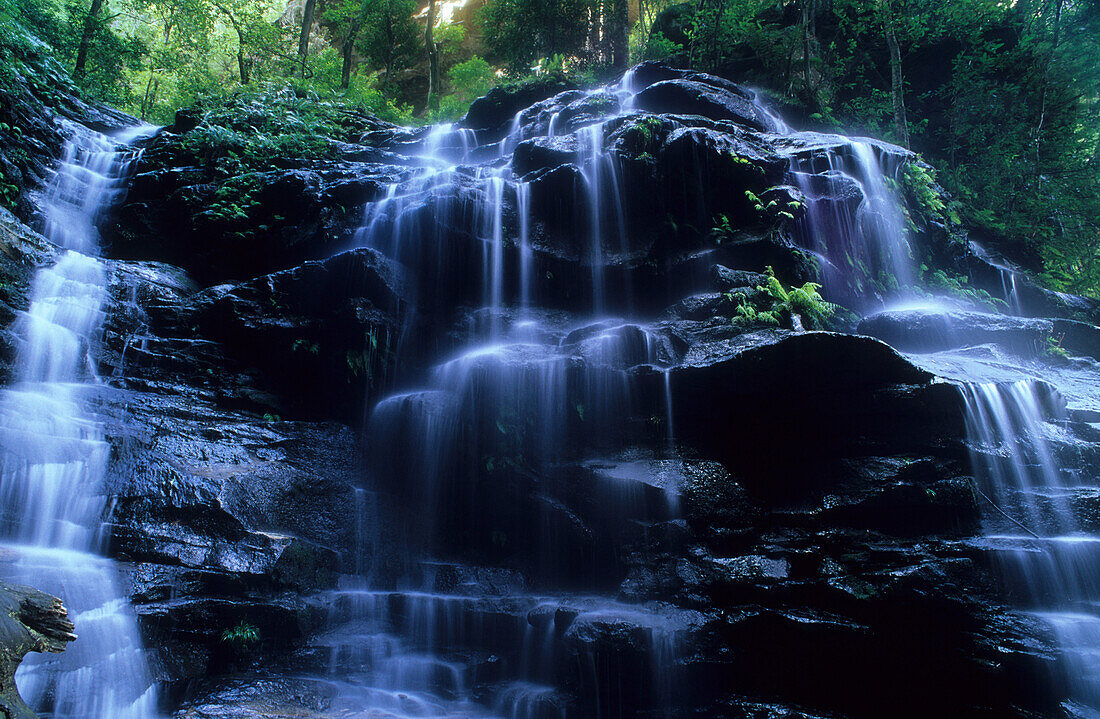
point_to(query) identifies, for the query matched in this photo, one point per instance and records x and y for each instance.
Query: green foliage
(241, 637)
(1054, 347)
(9, 193)
(775, 304)
(253, 128)
(521, 32)
(958, 286)
(772, 210)
(919, 180)
(468, 80)
(1003, 101)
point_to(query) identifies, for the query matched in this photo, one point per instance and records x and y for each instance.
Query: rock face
(394, 450)
(30, 621)
(926, 331)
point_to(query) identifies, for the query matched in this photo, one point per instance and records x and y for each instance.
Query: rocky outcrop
(710, 98)
(30, 621)
(930, 330)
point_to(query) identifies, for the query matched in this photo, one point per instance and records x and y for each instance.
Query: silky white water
(53, 455)
(1043, 553)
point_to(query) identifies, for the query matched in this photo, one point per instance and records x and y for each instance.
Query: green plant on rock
(773, 210)
(919, 180)
(959, 286)
(241, 637)
(775, 305)
(643, 137)
(236, 199)
(1054, 347)
(721, 230)
(9, 194)
(746, 164)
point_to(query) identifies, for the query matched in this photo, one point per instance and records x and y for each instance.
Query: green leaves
(775, 304)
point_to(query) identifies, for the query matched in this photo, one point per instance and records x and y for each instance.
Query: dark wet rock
(886, 607)
(704, 162)
(745, 396)
(704, 306)
(500, 106)
(726, 279)
(22, 251)
(794, 362)
(30, 621)
(277, 477)
(714, 100)
(1077, 338)
(929, 331)
(835, 187)
(715, 502)
(311, 325)
(544, 153)
(246, 225)
(1001, 279)
(260, 698)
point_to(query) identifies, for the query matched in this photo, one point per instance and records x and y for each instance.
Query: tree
(520, 32)
(433, 58)
(389, 35)
(303, 37)
(897, 80)
(91, 23)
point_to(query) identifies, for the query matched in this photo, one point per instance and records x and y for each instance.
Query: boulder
(1077, 338)
(243, 226)
(714, 100)
(931, 331)
(499, 107)
(310, 325)
(30, 621)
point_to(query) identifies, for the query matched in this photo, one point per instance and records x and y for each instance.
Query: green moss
(250, 130)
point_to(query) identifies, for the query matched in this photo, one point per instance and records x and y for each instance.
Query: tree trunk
(620, 35)
(244, 65)
(349, 55)
(715, 46)
(303, 38)
(1046, 80)
(807, 52)
(897, 80)
(433, 58)
(80, 70)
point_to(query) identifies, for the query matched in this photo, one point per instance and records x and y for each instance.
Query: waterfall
(519, 390)
(1043, 553)
(854, 222)
(54, 455)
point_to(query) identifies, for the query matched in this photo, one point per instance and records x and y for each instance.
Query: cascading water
(54, 455)
(521, 389)
(1046, 558)
(854, 222)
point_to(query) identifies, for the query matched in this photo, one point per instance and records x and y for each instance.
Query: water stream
(54, 455)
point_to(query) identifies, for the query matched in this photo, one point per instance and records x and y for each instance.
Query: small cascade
(520, 393)
(1047, 561)
(854, 222)
(54, 455)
